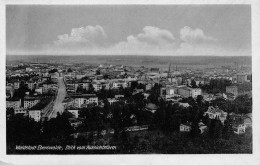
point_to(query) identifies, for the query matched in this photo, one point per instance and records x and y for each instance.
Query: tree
(91, 89)
(193, 84)
(227, 130)
(69, 70)
(194, 129)
(98, 72)
(53, 71)
(199, 100)
(9, 112)
(105, 77)
(21, 130)
(218, 129)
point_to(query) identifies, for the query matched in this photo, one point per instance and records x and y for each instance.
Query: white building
(20, 111)
(39, 90)
(185, 127)
(30, 102)
(85, 100)
(119, 84)
(97, 86)
(112, 100)
(216, 113)
(35, 114)
(75, 112)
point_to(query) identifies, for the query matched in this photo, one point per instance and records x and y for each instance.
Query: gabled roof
(212, 109)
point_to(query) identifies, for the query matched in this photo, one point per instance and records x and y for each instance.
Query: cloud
(89, 36)
(150, 41)
(190, 35)
(92, 40)
(153, 35)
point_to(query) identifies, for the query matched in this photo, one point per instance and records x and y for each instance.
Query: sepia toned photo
(128, 79)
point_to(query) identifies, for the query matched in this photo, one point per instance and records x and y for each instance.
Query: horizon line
(127, 55)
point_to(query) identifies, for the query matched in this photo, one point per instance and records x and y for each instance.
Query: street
(58, 107)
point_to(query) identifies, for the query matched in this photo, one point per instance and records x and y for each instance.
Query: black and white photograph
(128, 79)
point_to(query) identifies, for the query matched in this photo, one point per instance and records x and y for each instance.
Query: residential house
(216, 113)
(185, 127)
(151, 107)
(35, 114)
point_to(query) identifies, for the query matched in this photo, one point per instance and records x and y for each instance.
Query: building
(74, 112)
(118, 84)
(170, 91)
(97, 86)
(30, 102)
(16, 85)
(233, 90)
(20, 111)
(15, 104)
(148, 86)
(185, 127)
(241, 78)
(39, 90)
(151, 107)
(112, 100)
(119, 96)
(216, 113)
(35, 114)
(184, 105)
(155, 70)
(239, 127)
(162, 91)
(31, 85)
(189, 92)
(240, 89)
(10, 91)
(84, 85)
(202, 127)
(85, 99)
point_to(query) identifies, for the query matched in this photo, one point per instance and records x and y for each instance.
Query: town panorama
(179, 108)
(128, 79)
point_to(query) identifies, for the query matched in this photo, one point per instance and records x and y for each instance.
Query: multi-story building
(240, 89)
(97, 86)
(232, 89)
(35, 114)
(85, 85)
(119, 84)
(10, 91)
(30, 102)
(241, 78)
(31, 85)
(189, 92)
(15, 104)
(84, 99)
(16, 85)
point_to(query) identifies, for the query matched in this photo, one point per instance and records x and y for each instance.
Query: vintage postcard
(118, 80)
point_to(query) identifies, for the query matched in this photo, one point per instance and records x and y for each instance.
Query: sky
(172, 30)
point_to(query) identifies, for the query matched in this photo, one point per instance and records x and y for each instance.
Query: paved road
(60, 97)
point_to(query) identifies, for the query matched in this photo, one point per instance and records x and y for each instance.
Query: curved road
(58, 107)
